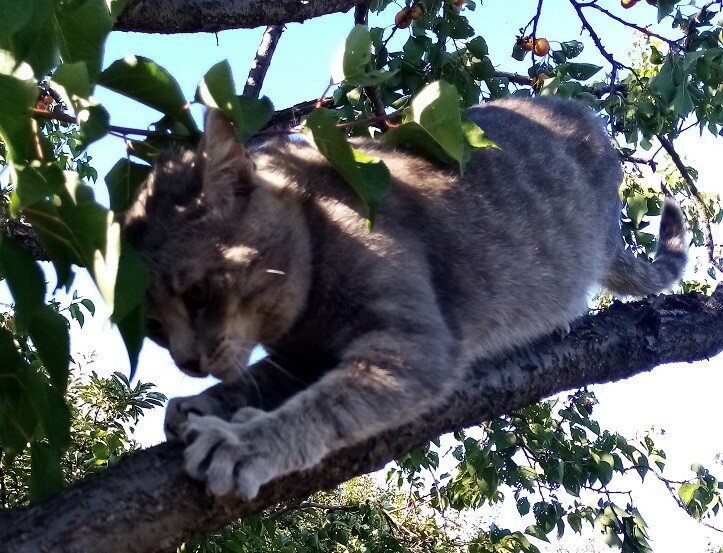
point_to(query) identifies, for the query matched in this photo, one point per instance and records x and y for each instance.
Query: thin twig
(697, 197)
(371, 120)
(262, 61)
(644, 30)
(535, 23)
(669, 486)
(596, 39)
(69, 119)
(373, 93)
(641, 161)
(516, 78)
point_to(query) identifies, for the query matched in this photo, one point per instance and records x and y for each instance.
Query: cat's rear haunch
(366, 329)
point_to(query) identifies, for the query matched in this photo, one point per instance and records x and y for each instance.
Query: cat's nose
(191, 367)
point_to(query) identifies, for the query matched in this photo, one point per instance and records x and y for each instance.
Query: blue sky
(673, 397)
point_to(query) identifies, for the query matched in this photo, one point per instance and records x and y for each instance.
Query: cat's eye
(197, 295)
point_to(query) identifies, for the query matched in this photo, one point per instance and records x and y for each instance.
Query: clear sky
(682, 399)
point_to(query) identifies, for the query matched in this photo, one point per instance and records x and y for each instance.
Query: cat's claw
(230, 457)
(180, 408)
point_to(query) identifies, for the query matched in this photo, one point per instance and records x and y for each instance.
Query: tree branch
(146, 504)
(261, 63)
(192, 16)
(24, 234)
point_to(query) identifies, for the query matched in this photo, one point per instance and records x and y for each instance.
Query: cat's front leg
(263, 386)
(384, 380)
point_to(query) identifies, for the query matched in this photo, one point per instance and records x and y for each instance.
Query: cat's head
(228, 255)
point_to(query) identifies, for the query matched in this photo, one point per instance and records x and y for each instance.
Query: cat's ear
(228, 170)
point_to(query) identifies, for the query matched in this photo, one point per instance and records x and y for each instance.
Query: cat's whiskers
(278, 367)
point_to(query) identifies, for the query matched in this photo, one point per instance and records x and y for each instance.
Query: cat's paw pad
(180, 408)
(227, 457)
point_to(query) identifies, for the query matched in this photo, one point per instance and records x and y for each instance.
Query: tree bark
(262, 61)
(192, 16)
(146, 504)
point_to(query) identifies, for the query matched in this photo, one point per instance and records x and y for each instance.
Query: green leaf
(147, 82)
(663, 84)
(15, 15)
(355, 68)
(687, 492)
(637, 209)
(34, 42)
(683, 101)
(523, 506)
(357, 54)
(56, 238)
(123, 181)
(132, 330)
(81, 29)
(18, 420)
(436, 109)
(49, 332)
(475, 136)
(478, 47)
(536, 532)
(436, 127)
(34, 183)
(16, 131)
(25, 280)
(217, 90)
(367, 175)
(93, 123)
(518, 52)
(89, 305)
(106, 253)
(72, 82)
(575, 522)
(412, 136)
(582, 71)
(131, 283)
(572, 48)
(117, 7)
(46, 473)
(48, 404)
(665, 8)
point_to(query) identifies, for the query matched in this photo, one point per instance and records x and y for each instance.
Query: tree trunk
(146, 504)
(191, 16)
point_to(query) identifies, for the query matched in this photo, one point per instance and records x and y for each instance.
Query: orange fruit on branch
(541, 47)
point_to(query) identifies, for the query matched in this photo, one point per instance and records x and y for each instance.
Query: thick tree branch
(146, 504)
(192, 16)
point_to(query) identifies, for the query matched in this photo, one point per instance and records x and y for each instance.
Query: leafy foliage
(101, 415)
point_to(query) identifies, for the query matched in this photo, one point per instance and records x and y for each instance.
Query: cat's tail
(631, 276)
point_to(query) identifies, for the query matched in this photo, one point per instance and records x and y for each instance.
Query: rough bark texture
(25, 235)
(262, 61)
(191, 16)
(146, 504)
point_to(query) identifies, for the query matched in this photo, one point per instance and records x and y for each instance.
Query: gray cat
(366, 330)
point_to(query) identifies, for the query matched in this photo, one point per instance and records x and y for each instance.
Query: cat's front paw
(180, 408)
(231, 458)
